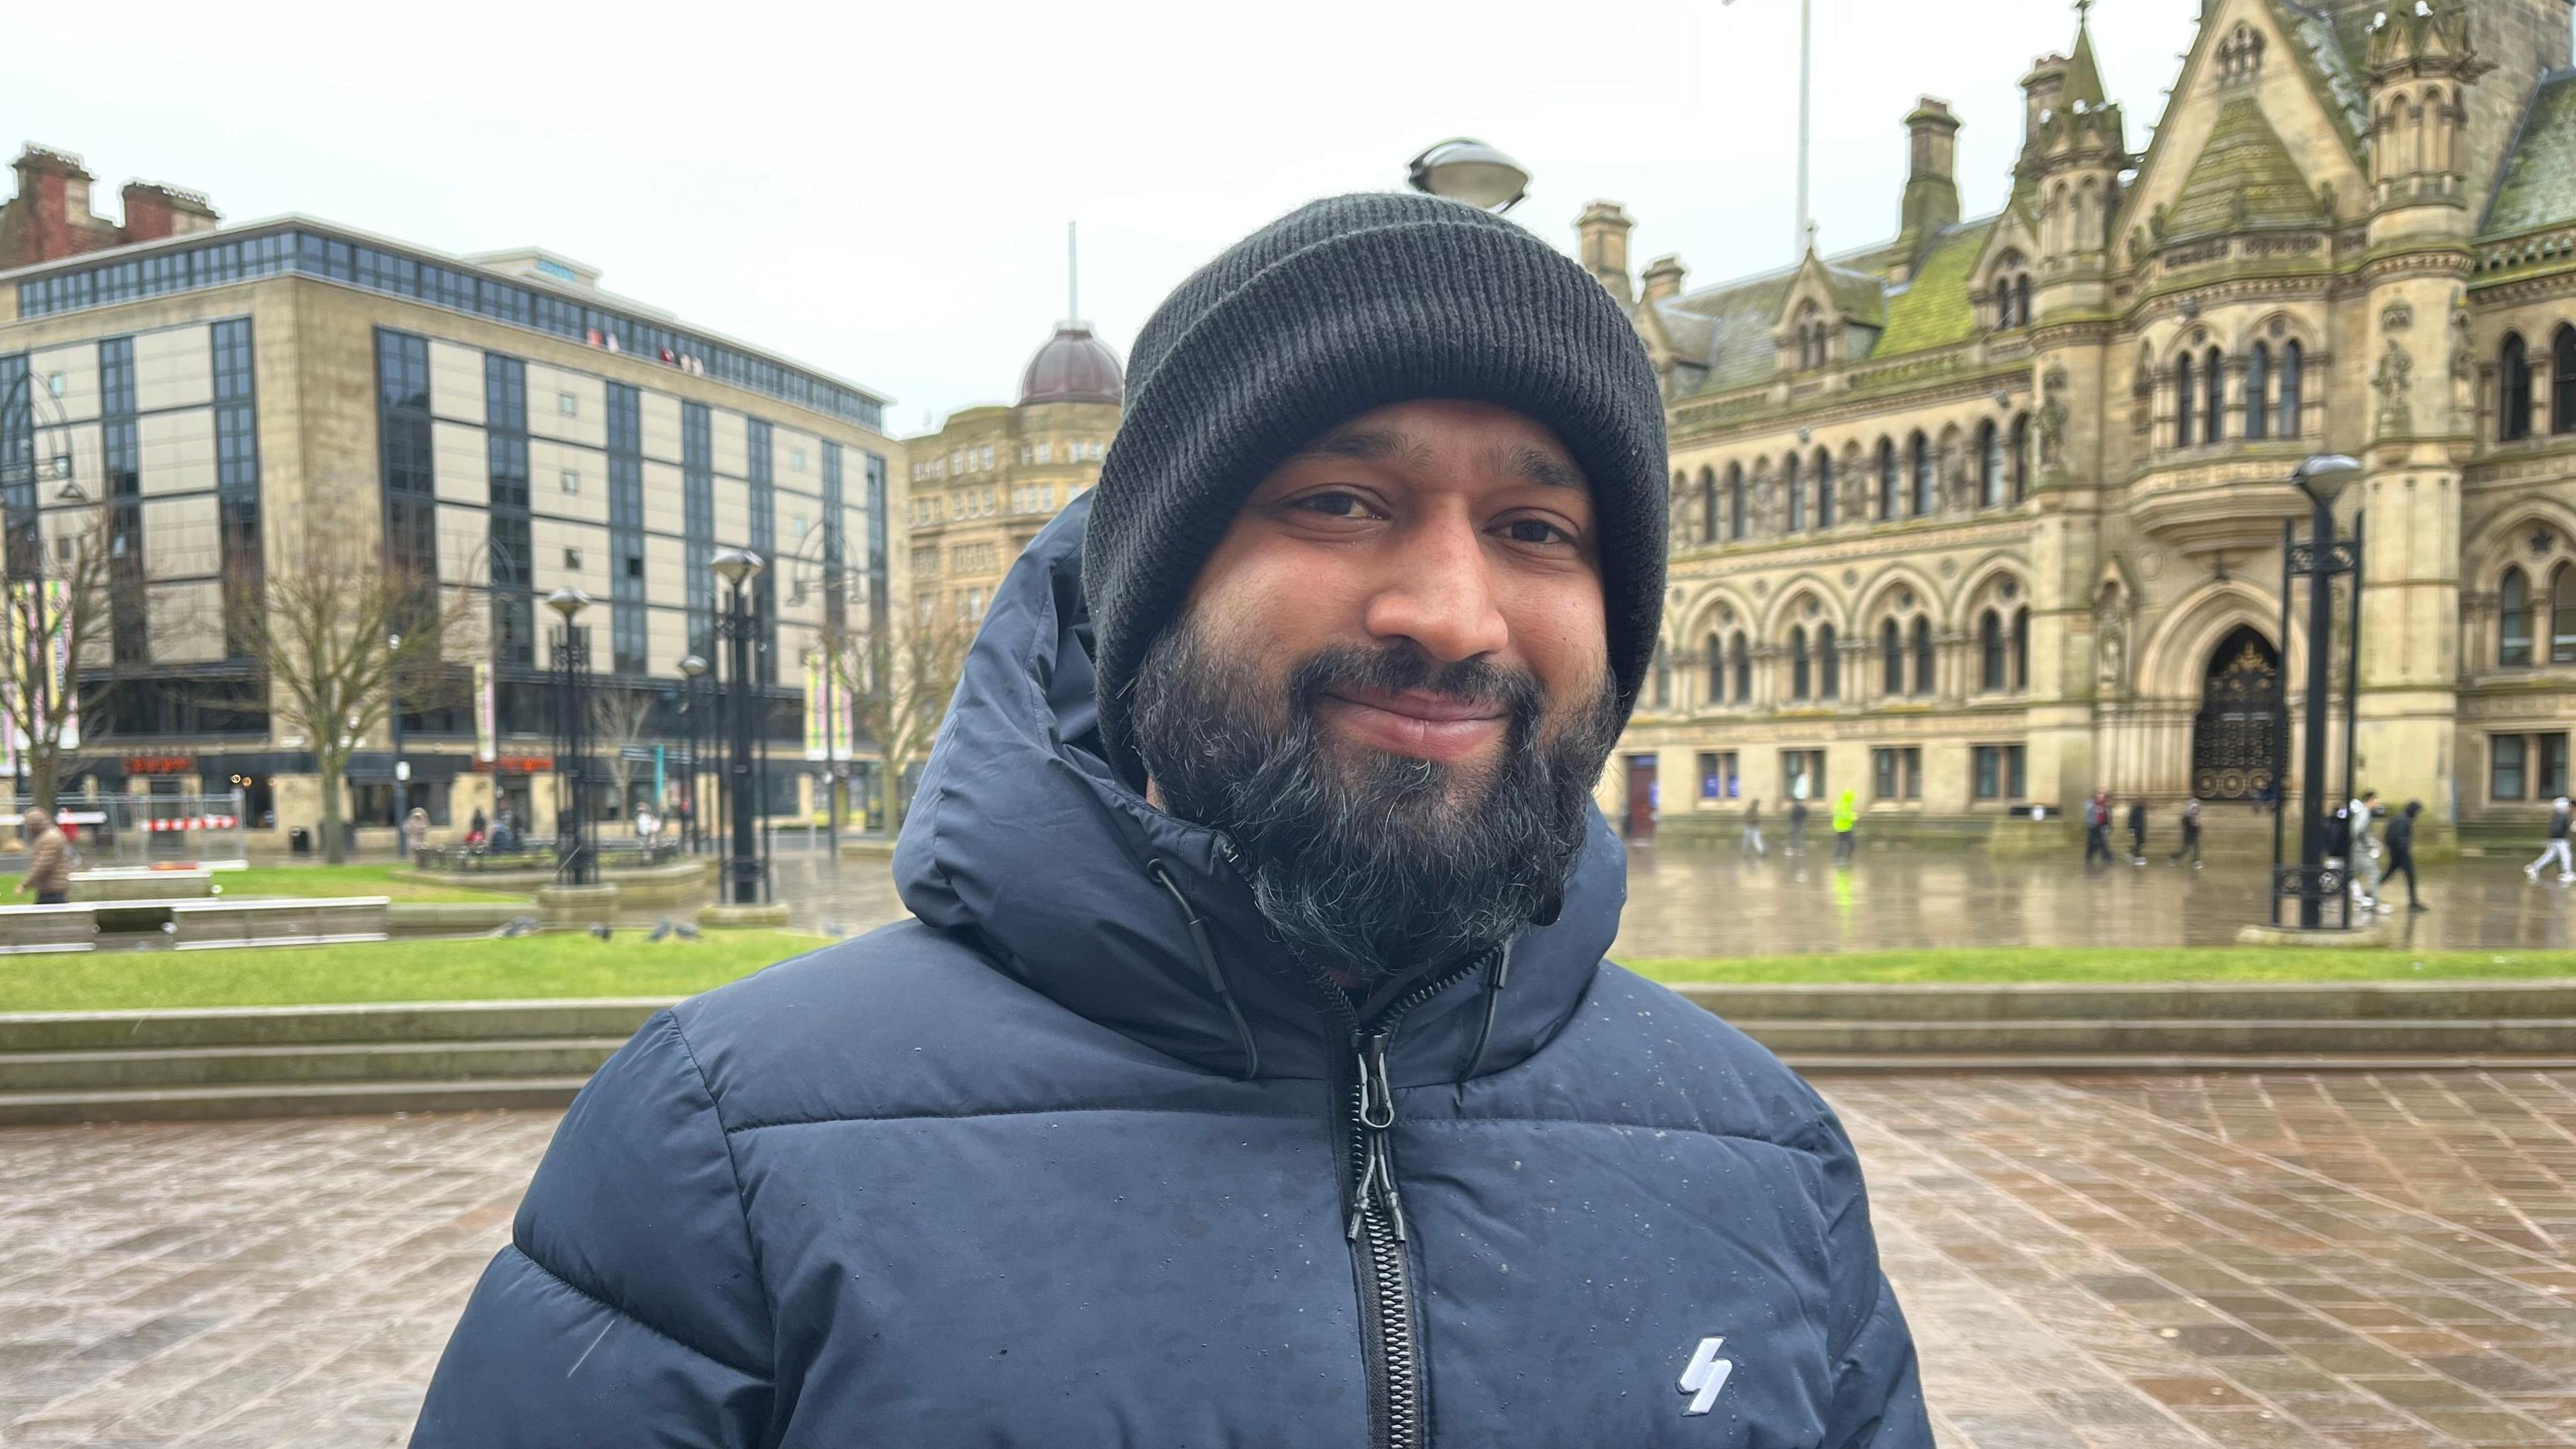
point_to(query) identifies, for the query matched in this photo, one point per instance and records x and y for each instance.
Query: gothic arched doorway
(2236, 739)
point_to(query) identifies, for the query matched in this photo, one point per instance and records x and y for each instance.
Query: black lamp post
(691, 669)
(744, 869)
(2311, 882)
(574, 864)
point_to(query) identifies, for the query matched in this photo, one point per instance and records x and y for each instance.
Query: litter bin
(299, 841)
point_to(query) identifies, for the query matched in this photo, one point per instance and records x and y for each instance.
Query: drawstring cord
(1497, 976)
(1207, 960)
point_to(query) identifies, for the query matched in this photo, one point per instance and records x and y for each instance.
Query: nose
(1439, 592)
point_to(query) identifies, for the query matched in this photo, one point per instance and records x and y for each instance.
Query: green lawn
(559, 964)
(2006, 964)
(263, 881)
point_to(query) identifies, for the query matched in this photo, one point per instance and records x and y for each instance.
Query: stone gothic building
(1989, 516)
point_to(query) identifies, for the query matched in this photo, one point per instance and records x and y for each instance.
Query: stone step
(2149, 1001)
(272, 1100)
(2541, 1036)
(452, 1021)
(379, 1062)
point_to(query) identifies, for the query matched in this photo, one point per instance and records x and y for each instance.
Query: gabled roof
(2326, 43)
(1736, 319)
(2243, 165)
(2536, 186)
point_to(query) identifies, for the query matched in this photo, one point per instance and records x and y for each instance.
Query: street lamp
(691, 668)
(1470, 171)
(2323, 478)
(572, 805)
(744, 869)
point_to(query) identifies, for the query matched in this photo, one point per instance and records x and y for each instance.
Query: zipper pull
(1376, 1117)
(1377, 1098)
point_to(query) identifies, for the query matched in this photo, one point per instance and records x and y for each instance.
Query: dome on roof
(1074, 366)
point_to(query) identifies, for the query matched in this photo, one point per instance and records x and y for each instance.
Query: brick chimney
(154, 211)
(1663, 278)
(1603, 232)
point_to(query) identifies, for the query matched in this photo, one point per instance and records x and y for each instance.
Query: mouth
(1436, 727)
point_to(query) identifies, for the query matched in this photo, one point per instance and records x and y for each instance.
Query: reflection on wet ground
(1698, 901)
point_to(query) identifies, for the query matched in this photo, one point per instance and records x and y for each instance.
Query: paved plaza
(2336, 1261)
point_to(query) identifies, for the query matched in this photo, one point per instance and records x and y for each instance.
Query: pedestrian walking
(2557, 848)
(49, 859)
(1846, 817)
(1227, 1055)
(477, 829)
(415, 833)
(2097, 828)
(1752, 843)
(2189, 819)
(2138, 830)
(2400, 840)
(1797, 825)
(2363, 810)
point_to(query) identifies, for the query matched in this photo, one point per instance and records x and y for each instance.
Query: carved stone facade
(2029, 492)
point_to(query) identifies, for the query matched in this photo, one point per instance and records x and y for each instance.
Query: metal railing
(148, 829)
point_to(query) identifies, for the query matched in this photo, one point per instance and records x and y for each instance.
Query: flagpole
(1806, 77)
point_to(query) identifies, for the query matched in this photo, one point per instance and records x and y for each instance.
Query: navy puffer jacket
(1077, 1158)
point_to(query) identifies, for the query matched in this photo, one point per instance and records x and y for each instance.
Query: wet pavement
(1701, 901)
(2337, 1261)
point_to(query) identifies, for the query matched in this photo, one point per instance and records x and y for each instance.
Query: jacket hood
(1023, 838)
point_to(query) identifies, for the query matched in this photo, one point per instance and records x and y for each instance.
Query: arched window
(1990, 652)
(1743, 655)
(2021, 297)
(1799, 665)
(1707, 506)
(2258, 390)
(2513, 406)
(1824, 489)
(2021, 648)
(1990, 465)
(1922, 501)
(2562, 380)
(2186, 397)
(1790, 482)
(1891, 657)
(2287, 416)
(1923, 662)
(2513, 619)
(2562, 614)
(1735, 500)
(1716, 669)
(1890, 503)
(1829, 664)
(2213, 422)
(2021, 458)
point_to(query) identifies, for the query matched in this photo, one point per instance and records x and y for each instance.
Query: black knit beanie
(1344, 305)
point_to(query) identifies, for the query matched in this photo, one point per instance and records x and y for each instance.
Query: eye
(1333, 504)
(1536, 531)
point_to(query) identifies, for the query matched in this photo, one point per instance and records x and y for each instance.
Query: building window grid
(512, 561)
(629, 637)
(763, 518)
(698, 525)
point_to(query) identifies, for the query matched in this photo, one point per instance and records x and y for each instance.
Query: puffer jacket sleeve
(628, 1308)
(1878, 1386)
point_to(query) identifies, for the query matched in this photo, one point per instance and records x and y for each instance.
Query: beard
(1367, 863)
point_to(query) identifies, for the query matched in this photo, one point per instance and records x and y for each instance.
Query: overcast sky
(881, 191)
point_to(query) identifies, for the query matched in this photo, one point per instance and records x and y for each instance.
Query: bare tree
(56, 618)
(339, 635)
(901, 686)
(620, 717)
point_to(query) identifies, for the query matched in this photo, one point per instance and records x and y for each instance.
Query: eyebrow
(1381, 445)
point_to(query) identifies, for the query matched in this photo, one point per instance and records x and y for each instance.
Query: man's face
(1391, 686)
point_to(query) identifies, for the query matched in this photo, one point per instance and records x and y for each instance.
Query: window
(1923, 662)
(1990, 465)
(1799, 664)
(571, 481)
(1999, 772)
(2562, 614)
(1922, 476)
(2021, 648)
(2258, 387)
(568, 405)
(1802, 774)
(2185, 395)
(1889, 503)
(1707, 506)
(2513, 619)
(2505, 768)
(2562, 380)
(1797, 494)
(2213, 421)
(1824, 489)
(1743, 655)
(1735, 501)
(2513, 404)
(796, 459)
(2287, 420)
(2552, 781)
(1897, 773)
(2021, 458)
(1990, 653)
(1829, 664)
(1716, 670)
(1891, 653)
(1717, 777)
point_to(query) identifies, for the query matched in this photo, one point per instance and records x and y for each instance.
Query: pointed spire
(2083, 74)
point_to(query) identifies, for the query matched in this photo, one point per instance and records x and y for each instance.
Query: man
(1251, 1074)
(2137, 830)
(2557, 848)
(2365, 853)
(1846, 819)
(2190, 821)
(2401, 850)
(2097, 828)
(1797, 825)
(49, 858)
(1752, 841)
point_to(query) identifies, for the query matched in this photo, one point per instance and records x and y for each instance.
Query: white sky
(881, 190)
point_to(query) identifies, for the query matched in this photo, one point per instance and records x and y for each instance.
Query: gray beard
(1368, 867)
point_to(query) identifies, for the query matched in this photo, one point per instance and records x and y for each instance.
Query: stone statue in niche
(2137, 246)
(2110, 641)
(2156, 222)
(2053, 417)
(2395, 376)
(2464, 371)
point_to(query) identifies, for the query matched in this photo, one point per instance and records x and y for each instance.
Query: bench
(208, 925)
(29, 929)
